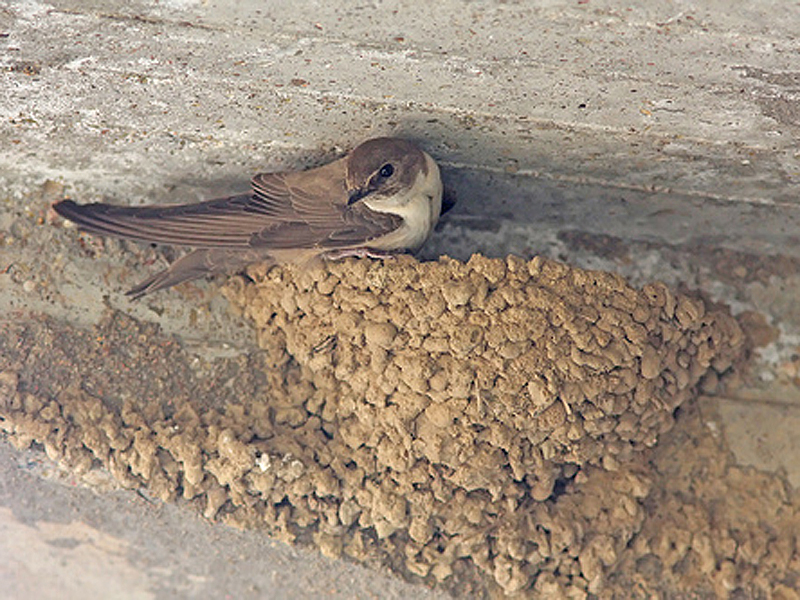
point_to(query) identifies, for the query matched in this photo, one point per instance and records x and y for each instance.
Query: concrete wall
(636, 121)
(657, 139)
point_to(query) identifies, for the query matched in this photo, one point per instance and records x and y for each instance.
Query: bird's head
(383, 170)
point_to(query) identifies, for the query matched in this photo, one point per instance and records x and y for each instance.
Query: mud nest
(449, 417)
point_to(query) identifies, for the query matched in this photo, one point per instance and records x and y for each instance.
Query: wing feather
(286, 210)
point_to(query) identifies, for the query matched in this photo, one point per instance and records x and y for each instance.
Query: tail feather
(193, 266)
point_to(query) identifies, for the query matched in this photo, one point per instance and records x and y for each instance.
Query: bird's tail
(195, 265)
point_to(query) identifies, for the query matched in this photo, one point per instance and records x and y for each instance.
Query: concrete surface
(656, 140)
(62, 539)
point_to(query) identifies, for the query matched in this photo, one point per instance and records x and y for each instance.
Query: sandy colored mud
(489, 426)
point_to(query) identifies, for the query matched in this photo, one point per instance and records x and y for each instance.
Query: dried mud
(488, 426)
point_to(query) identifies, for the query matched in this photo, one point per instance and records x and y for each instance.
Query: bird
(383, 197)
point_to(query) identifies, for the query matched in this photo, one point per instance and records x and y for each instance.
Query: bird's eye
(386, 171)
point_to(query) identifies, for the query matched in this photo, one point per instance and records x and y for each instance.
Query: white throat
(419, 208)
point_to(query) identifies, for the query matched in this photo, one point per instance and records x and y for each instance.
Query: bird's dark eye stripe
(386, 171)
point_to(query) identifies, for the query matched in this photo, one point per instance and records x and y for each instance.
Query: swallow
(384, 197)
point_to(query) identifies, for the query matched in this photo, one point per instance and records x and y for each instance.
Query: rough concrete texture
(656, 141)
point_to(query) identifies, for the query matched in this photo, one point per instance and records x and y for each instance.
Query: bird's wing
(286, 210)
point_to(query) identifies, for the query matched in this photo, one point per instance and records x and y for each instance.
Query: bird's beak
(356, 195)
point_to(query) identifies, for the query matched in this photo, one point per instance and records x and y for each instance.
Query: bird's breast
(420, 210)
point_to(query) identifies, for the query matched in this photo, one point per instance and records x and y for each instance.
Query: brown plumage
(385, 196)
